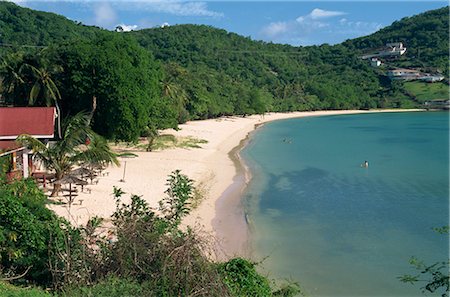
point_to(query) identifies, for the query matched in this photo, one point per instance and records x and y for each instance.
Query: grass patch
(201, 190)
(13, 291)
(165, 141)
(190, 142)
(427, 91)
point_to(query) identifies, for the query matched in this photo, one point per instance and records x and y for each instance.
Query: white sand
(210, 165)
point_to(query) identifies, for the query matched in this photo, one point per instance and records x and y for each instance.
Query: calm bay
(339, 228)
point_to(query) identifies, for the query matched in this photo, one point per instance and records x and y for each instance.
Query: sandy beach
(219, 176)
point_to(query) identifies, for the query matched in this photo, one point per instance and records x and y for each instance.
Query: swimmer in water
(365, 164)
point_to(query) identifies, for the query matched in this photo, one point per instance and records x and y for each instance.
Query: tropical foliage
(143, 254)
(27, 229)
(425, 36)
(156, 78)
(79, 146)
(435, 277)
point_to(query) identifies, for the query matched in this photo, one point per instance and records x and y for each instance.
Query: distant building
(438, 104)
(38, 122)
(403, 74)
(431, 78)
(374, 62)
(390, 50)
(396, 46)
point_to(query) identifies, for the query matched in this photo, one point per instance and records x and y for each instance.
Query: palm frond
(97, 152)
(31, 143)
(75, 131)
(39, 149)
(34, 93)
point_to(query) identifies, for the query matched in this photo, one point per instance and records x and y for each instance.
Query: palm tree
(44, 87)
(12, 82)
(72, 149)
(172, 90)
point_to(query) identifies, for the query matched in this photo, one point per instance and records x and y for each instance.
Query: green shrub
(144, 254)
(242, 278)
(26, 229)
(111, 287)
(7, 290)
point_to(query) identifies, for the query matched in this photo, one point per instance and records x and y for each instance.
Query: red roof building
(36, 121)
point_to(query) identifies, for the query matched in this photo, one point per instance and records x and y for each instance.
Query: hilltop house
(404, 74)
(438, 104)
(38, 122)
(374, 62)
(393, 49)
(411, 74)
(432, 78)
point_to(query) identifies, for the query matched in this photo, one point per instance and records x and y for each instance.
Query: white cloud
(104, 14)
(275, 29)
(22, 3)
(176, 7)
(16, 1)
(358, 27)
(318, 13)
(318, 26)
(180, 8)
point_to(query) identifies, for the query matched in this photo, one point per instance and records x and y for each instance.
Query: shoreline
(216, 167)
(238, 243)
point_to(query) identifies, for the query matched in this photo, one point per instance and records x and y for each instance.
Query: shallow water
(336, 227)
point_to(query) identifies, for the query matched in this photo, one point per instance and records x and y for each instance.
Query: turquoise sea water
(340, 229)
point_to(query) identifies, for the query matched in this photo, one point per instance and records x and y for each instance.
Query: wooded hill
(156, 78)
(426, 36)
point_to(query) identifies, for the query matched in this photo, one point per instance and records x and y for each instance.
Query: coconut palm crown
(72, 149)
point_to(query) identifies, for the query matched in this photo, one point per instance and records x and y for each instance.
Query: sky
(291, 22)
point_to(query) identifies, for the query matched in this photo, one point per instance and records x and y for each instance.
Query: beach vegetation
(151, 133)
(179, 193)
(435, 276)
(166, 141)
(144, 253)
(27, 229)
(242, 279)
(17, 291)
(200, 191)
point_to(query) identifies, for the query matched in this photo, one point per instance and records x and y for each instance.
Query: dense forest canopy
(156, 78)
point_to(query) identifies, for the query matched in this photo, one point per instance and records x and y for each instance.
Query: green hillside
(426, 37)
(165, 76)
(294, 78)
(23, 26)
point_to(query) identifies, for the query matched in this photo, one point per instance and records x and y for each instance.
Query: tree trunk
(151, 140)
(56, 187)
(58, 110)
(94, 107)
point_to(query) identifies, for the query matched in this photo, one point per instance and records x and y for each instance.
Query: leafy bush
(151, 249)
(146, 253)
(435, 276)
(241, 277)
(7, 290)
(26, 230)
(111, 287)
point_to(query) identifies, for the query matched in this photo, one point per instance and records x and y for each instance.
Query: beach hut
(38, 122)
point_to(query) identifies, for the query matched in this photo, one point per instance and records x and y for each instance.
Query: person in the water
(365, 164)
